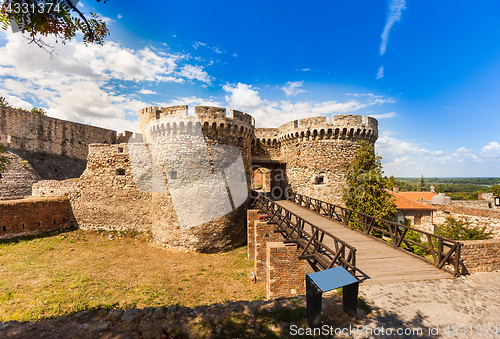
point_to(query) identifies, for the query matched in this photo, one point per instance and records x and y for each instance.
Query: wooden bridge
(324, 232)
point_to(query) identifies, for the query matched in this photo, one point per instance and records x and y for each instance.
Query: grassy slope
(48, 277)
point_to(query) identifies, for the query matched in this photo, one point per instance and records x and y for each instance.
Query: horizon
(432, 87)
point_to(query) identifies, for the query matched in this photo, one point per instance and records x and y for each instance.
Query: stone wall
(481, 255)
(37, 133)
(26, 168)
(105, 196)
(315, 151)
(476, 216)
(32, 216)
(108, 196)
(483, 204)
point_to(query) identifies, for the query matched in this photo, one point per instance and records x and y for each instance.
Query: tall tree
(365, 190)
(421, 184)
(58, 18)
(390, 182)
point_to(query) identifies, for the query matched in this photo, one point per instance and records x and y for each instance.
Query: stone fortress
(307, 155)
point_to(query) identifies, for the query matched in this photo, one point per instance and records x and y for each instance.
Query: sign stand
(323, 281)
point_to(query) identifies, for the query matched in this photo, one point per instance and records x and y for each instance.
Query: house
(419, 214)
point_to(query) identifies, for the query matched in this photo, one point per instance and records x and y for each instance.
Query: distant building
(420, 215)
(416, 196)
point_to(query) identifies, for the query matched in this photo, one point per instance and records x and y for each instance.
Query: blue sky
(428, 70)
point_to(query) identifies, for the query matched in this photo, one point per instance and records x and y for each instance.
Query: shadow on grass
(281, 318)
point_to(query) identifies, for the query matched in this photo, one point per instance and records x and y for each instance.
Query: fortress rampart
(37, 133)
(312, 153)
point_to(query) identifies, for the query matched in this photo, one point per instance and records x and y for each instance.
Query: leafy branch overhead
(58, 18)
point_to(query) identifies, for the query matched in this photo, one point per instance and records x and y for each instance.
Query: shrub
(462, 230)
(496, 190)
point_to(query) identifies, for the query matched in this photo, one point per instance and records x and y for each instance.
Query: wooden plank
(377, 262)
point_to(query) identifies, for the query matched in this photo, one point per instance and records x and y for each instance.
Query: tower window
(319, 179)
(173, 175)
(120, 171)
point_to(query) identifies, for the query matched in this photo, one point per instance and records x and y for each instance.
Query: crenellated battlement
(175, 119)
(341, 126)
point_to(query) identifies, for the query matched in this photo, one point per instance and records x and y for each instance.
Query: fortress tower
(314, 152)
(307, 155)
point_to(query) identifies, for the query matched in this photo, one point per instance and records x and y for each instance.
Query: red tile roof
(418, 195)
(403, 203)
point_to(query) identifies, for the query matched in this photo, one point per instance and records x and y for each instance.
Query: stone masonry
(312, 152)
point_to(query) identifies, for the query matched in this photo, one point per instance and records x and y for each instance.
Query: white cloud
(380, 73)
(293, 88)
(217, 50)
(492, 150)
(198, 44)
(408, 159)
(384, 115)
(119, 16)
(396, 7)
(242, 96)
(191, 101)
(195, 72)
(146, 92)
(463, 150)
(274, 113)
(87, 84)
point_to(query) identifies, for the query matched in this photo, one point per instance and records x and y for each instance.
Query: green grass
(80, 270)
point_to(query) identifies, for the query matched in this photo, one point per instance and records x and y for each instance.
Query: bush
(462, 230)
(496, 190)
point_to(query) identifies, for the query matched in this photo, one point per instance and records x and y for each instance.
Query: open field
(82, 270)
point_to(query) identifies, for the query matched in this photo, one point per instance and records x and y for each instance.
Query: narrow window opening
(120, 171)
(320, 179)
(64, 219)
(173, 175)
(4, 228)
(54, 221)
(38, 223)
(120, 149)
(23, 226)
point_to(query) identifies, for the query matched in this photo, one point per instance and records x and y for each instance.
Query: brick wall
(481, 255)
(285, 273)
(31, 216)
(252, 216)
(263, 234)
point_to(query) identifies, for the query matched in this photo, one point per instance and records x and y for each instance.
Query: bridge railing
(440, 250)
(308, 237)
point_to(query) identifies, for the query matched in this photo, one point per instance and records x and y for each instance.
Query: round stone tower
(204, 162)
(316, 151)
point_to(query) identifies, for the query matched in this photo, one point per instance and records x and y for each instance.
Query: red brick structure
(285, 276)
(263, 234)
(481, 255)
(32, 216)
(252, 216)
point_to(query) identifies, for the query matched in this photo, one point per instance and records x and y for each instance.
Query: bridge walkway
(377, 262)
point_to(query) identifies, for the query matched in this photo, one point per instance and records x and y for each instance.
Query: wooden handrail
(446, 251)
(308, 237)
